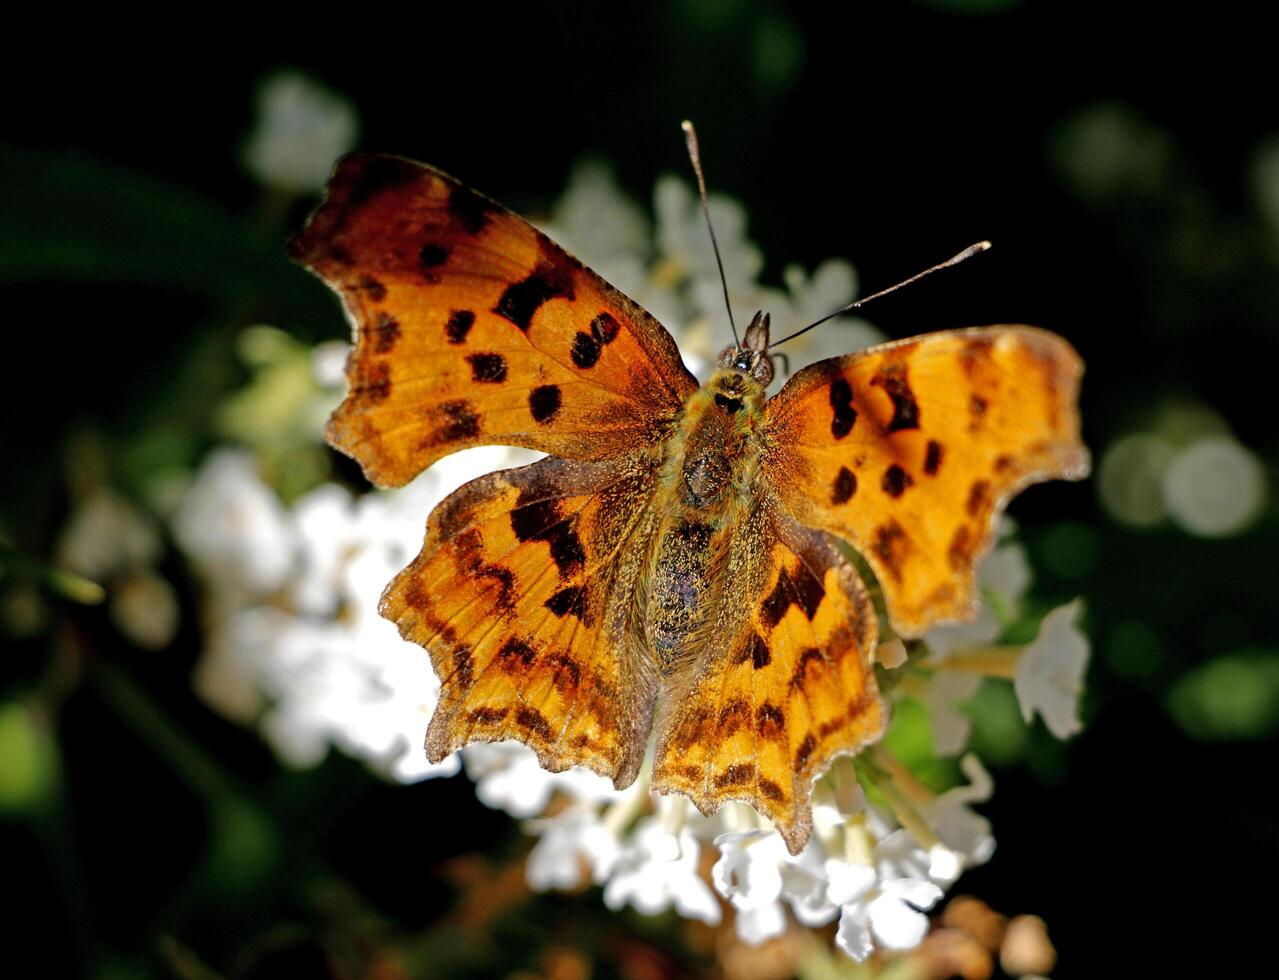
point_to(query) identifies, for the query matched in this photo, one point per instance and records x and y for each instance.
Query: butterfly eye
(726, 356)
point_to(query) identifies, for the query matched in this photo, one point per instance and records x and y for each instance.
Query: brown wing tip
(356, 179)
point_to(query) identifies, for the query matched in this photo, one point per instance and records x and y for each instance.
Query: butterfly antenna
(967, 253)
(690, 137)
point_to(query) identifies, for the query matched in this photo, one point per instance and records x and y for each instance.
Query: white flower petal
(1050, 671)
(895, 924)
(760, 924)
(853, 935)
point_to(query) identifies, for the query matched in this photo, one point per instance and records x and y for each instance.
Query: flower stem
(881, 775)
(989, 661)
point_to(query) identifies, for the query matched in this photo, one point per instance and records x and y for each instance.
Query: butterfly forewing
(911, 449)
(472, 328)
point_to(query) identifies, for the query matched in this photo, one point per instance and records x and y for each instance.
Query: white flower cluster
(295, 639)
(297, 646)
(1047, 675)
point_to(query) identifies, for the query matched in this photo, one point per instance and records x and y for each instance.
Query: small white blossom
(749, 874)
(569, 844)
(1050, 671)
(658, 870)
(1003, 577)
(944, 692)
(507, 777)
(234, 526)
(618, 245)
(888, 916)
(959, 828)
(302, 128)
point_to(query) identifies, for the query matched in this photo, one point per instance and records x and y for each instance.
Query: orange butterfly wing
(523, 595)
(910, 450)
(473, 328)
(785, 685)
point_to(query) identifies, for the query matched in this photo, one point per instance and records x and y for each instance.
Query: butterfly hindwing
(910, 450)
(472, 327)
(785, 685)
(522, 594)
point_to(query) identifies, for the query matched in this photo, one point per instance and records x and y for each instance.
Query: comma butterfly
(669, 566)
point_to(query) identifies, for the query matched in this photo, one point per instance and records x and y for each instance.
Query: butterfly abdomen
(710, 466)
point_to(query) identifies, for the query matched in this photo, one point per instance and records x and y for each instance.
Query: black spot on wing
(933, 457)
(541, 520)
(534, 721)
(804, 591)
(544, 402)
(841, 403)
(459, 325)
(516, 649)
(568, 601)
(430, 258)
(487, 368)
(895, 481)
(756, 653)
(905, 409)
(890, 546)
(978, 497)
(522, 299)
(809, 656)
(458, 422)
(604, 328)
(769, 719)
(468, 209)
(386, 332)
(372, 288)
(844, 487)
(585, 351)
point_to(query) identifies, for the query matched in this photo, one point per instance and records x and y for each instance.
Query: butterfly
(670, 566)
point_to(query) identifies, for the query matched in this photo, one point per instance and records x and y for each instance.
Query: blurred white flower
(113, 543)
(106, 534)
(889, 915)
(301, 129)
(593, 219)
(749, 874)
(507, 777)
(682, 239)
(658, 870)
(944, 691)
(1003, 576)
(1214, 487)
(571, 846)
(962, 831)
(1050, 671)
(234, 527)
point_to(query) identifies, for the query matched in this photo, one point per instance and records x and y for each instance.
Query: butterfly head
(750, 357)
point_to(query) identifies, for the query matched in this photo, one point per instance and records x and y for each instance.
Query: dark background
(891, 134)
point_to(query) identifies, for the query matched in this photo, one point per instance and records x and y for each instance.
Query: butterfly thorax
(710, 465)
